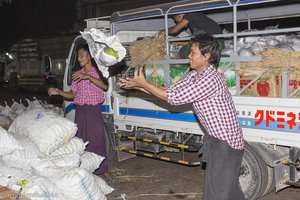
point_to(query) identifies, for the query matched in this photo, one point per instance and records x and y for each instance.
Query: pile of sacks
(248, 46)
(40, 156)
(9, 113)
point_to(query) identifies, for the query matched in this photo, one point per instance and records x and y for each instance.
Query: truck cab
(140, 124)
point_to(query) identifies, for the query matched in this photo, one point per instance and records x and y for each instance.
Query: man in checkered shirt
(206, 89)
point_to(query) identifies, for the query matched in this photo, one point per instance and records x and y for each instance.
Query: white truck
(24, 65)
(139, 124)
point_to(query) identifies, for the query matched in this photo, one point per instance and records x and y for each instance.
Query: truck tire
(271, 181)
(109, 147)
(254, 175)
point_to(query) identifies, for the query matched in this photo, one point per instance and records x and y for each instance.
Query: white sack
(8, 112)
(90, 161)
(106, 189)
(8, 143)
(18, 108)
(75, 145)
(45, 129)
(27, 144)
(35, 103)
(5, 121)
(77, 184)
(10, 175)
(20, 159)
(45, 166)
(97, 41)
(41, 188)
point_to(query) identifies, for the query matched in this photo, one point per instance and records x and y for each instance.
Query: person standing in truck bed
(206, 89)
(198, 23)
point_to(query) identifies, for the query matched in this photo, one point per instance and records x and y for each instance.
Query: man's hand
(138, 81)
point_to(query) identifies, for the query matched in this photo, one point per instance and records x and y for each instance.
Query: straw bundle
(274, 58)
(148, 49)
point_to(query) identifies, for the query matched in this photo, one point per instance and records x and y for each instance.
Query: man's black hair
(208, 44)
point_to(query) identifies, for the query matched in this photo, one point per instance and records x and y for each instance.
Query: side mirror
(47, 64)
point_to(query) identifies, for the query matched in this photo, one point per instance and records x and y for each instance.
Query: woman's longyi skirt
(90, 125)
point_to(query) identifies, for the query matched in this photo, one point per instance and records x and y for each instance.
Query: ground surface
(147, 179)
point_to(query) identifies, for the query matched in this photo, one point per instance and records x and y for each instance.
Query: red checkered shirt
(87, 93)
(212, 103)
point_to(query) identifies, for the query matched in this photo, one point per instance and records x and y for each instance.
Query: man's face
(198, 61)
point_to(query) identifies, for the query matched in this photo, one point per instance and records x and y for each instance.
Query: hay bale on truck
(274, 61)
(146, 50)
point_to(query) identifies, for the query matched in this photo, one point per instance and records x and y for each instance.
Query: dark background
(36, 19)
(20, 19)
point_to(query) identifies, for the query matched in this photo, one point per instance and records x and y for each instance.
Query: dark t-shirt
(198, 21)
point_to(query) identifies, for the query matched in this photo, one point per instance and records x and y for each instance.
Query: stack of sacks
(41, 188)
(6, 116)
(45, 129)
(6, 110)
(18, 108)
(77, 183)
(39, 104)
(90, 161)
(9, 113)
(5, 121)
(41, 150)
(75, 145)
(248, 46)
(8, 143)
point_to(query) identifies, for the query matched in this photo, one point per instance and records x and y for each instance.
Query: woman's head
(83, 55)
(209, 47)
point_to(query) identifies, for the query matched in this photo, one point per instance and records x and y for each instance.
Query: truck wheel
(271, 181)
(254, 176)
(109, 147)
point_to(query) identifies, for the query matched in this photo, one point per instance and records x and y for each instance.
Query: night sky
(20, 19)
(35, 19)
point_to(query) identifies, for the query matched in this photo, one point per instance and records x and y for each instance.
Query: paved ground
(146, 179)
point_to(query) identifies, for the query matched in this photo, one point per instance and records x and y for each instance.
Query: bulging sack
(8, 143)
(48, 131)
(106, 50)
